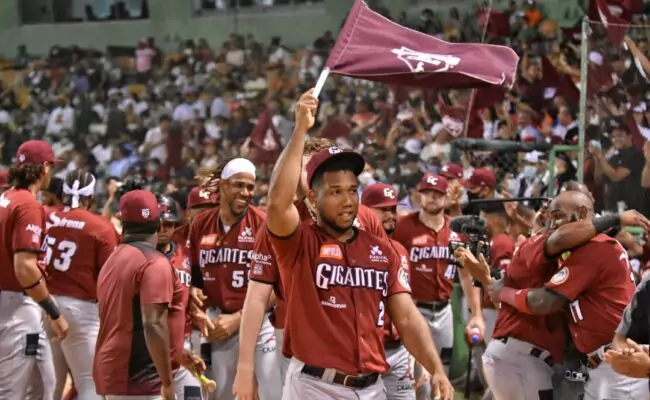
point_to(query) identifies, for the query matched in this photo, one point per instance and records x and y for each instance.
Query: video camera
(474, 229)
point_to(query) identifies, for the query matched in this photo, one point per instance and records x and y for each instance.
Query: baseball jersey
(135, 274)
(391, 333)
(179, 257)
(529, 268)
(598, 282)
(22, 221)
(75, 247)
(223, 255)
(432, 264)
(337, 295)
(501, 249)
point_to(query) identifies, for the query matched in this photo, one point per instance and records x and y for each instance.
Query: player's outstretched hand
(59, 328)
(225, 325)
(476, 267)
(245, 387)
(196, 299)
(441, 388)
(203, 322)
(634, 218)
(475, 330)
(633, 361)
(306, 111)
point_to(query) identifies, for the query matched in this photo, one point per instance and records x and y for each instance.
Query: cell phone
(596, 144)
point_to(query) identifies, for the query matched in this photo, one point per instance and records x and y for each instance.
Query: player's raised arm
(282, 215)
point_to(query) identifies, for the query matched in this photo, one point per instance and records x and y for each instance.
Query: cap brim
(430, 189)
(447, 175)
(468, 185)
(384, 204)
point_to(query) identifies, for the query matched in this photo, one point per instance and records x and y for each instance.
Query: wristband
(516, 298)
(197, 277)
(33, 285)
(50, 307)
(605, 223)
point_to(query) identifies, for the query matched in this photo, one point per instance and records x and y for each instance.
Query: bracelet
(50, 307)
(33, 285)
(605, 223)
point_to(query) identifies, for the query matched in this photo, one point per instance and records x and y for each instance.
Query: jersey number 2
(66, 249)
(382, 311)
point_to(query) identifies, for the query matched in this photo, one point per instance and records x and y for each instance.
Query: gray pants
(299, 386)
(441, 324)
(513, 373)
(283, 362)
(133, 398)
(490, 317)
(398, 379)
(605, 383)
(224, 364)
(25, 355)
(187, 386)
(77, 351)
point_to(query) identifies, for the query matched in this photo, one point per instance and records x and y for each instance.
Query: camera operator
(481, 184)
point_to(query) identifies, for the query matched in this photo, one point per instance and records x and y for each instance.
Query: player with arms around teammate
(75, 247)
(342, 280)
(221, 241)
(595, 284)
(265, 281)
(22, 287)
(142, 323)
(382, 200)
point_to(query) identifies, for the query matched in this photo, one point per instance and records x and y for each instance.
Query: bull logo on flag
(419, 62)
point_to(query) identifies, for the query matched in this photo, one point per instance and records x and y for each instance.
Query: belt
(352, 381)
(392, 344)
(534, 351)
(435, 306)
(594, 360)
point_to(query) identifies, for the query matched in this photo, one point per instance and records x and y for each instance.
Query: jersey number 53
(66, 250)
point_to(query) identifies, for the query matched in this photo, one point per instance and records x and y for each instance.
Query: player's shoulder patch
(560, 276)
(403, 278)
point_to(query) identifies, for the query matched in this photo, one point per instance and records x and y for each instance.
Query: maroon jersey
(598, 282)
(22, 220)
(223, 254)
(337, 297)
(179, 257)
(501, 249)
(432, 264)
(77, 243)
(391, 331)
(529, 268)
(133, 275)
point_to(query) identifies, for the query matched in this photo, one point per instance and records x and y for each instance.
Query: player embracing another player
(23, 293)
(220, 243)
(75, 247)
(341, 280)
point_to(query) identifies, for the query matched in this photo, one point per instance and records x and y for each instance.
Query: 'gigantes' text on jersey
(432, 264)
(338, 293)
(223, 255)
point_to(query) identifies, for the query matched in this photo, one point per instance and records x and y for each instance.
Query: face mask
(365, 177)
(530, 171)
(473, 196)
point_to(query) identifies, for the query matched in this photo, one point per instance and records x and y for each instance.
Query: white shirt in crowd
(219, 108)
(187, 112)
(280, 55)
(156, 135)
(61, 118)
(236, 57)
(560, 130)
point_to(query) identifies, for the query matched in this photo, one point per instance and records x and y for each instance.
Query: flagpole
(582, 127)
(321, 82)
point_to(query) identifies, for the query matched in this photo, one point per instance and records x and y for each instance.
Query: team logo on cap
(335, 150)
(204, 194)
(432, 180)
(390, 193)
(145, 213)
(21, 157)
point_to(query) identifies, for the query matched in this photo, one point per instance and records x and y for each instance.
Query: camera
(474, 230)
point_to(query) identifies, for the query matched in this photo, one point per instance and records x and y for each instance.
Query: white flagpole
(321, 82)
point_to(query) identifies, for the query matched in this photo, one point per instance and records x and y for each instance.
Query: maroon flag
(265, 142)
(335, 129)
(560, 82)
(454, 119)
(615, 19)
(374, 48)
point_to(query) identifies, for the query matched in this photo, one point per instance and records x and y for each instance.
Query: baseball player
(197, 200)
(52, 197)
(187, 386)
(382, 199)
(341, 280)
(595, 283)
(426, 235)
(75, 247)
(221, 240)
(265, 279)
(23, 292)
(142, 318)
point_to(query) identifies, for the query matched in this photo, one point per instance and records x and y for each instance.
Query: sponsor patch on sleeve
(403, 278)
(560, 276)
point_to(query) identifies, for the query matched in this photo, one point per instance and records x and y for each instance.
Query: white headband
(76, 193)
(237, 166)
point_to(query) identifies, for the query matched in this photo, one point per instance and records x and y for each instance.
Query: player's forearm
(156, 335)
(530, 301)
(416, 336)
(472, 293)
(286, 175)
(249, 331)
(575, 234)
(30, 277)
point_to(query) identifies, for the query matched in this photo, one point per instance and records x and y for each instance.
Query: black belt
(595, 360)
(534, 351)
(357, 382)
(392, 344)
(435, 307)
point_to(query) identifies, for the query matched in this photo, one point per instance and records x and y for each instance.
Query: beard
(331, 223)
(433, 210)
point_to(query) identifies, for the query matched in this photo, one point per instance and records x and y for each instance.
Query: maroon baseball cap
(379, 195)
(334, 153)
(139, 206)
(433, 182)
(200, 197)
(480, 177)
(451, 171)
(35, 152)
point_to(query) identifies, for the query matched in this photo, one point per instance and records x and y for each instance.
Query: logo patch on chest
(332, 251)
